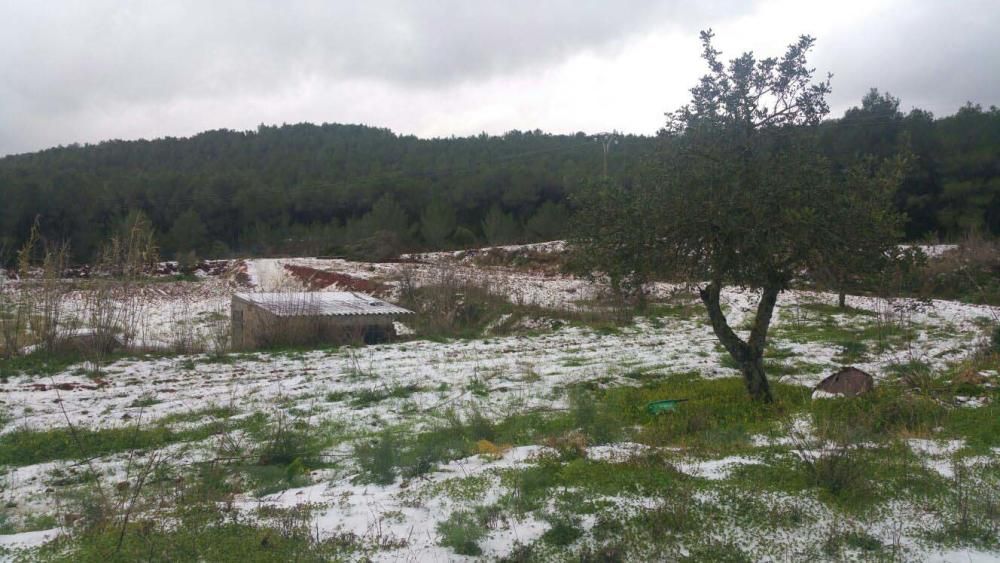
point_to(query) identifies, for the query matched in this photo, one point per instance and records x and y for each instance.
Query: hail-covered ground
(415, 385)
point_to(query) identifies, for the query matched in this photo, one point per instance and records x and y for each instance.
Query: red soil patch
(320, 279)
(66, 386)
(242, 277)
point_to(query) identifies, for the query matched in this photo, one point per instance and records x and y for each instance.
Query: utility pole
(606, 140)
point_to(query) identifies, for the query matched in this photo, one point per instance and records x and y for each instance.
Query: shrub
(877, 416)
(378, 459)
(286, 441)
(969, 273)
(562, 533)
(840, 471)
(462, 532)
(603, 554)
(678, 514)
(718, 552)
(452, 307)
(859, 540)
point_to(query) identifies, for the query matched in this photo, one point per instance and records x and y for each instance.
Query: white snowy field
(416, 386)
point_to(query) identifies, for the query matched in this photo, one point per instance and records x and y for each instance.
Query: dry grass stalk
(114, 302)
(31, 309)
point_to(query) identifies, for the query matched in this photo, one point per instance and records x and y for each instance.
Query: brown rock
(849, 382)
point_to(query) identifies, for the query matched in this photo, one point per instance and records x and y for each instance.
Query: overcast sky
(93, 70)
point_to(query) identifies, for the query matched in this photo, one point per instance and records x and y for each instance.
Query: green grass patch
(38, 363)
(28, 447)
(683, 310)
(718, 416)
(369, 397)
(202, 533)
(886, 413)
(856, 337)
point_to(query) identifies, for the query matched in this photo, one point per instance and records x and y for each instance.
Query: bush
(562, 533)
(378, 459)
(462, 532)
(187, 262)
(381, 460)
(718, 552)
(859, 540)
(877, 416)
(287, 441)
(451, 307)
(969, 273)
(840, 471)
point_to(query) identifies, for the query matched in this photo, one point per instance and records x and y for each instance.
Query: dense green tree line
(953, 182)
(347, 188)
(306, 188)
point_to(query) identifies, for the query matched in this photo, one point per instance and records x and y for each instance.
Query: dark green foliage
(378, 459)
(296, 187)
(368, 397)
(614, 235)
(500, 227)
(462, 532)
(716, 551)
(285, 441)
(840, 471)
(438, 223)
(548, 223)
(188, 236)
(301, 188)
(562, 533)
(950, 184)
(854, 539)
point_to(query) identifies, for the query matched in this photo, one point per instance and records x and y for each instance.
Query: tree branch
(765, 309)
(730, 340)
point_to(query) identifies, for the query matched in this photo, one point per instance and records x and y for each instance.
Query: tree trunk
(842, 299)
(749, 354)
(756, 380)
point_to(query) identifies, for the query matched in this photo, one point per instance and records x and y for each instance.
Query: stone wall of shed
(262, 329)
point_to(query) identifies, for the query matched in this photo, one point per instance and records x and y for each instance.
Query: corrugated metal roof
(326, 303)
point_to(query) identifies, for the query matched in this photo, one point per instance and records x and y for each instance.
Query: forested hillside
(355, 189)
(306, 188)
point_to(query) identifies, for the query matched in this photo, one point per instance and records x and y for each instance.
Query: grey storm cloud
(64, 55)
(932, 55)
(82, 71)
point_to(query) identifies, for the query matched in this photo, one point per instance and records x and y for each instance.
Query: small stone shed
(340, 317)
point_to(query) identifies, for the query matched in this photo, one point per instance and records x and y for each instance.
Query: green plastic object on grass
(656, 407)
